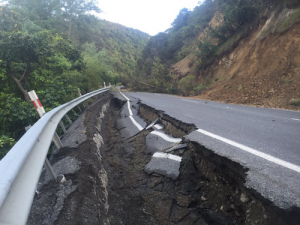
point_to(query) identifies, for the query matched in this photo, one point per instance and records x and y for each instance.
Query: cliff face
(263, 69)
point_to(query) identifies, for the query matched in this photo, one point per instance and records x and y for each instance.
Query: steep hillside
(244, 52)
(258, 72)
(124, 45)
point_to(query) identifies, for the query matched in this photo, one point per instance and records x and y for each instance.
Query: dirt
(111, 186)
(262, 72)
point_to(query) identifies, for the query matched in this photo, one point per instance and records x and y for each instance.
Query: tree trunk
(19, 84)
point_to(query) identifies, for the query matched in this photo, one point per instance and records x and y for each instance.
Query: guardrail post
(68, 118)
(41, 111)
(62, 126)
(79, 108)
(47, 163)
(57, 141)
(84, 105)
(50, 169)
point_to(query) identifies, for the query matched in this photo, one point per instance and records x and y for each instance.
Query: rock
(162, 210)
(155, 181)
(244, 198)
(203, 199)
(183, 200)
(179, 214)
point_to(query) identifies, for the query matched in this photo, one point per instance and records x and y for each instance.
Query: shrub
(186, 85)
(5, 145)
(199, 89)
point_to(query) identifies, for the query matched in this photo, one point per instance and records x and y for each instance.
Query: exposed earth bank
(262, 69)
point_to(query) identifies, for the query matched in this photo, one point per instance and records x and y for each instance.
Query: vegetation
(295, 102)
(54, 48)
(193, 34)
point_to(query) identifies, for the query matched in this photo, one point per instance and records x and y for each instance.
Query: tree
(187, 84)
(206, 51)
(159, 75)
(182, 19)
(19, 51)
(73, 8)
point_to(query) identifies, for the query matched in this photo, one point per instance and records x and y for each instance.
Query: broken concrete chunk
(177, 147)
(152, 124)
(158, 141)
(158, 126)
(164, 164)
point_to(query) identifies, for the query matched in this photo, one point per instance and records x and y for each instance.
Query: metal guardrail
(20, 169)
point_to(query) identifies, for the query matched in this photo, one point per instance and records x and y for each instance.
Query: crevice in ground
(112, 186)
(219, 182)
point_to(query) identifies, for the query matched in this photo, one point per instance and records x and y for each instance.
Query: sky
(149, 16)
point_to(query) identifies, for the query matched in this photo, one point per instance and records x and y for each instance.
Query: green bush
(186, 85)
(199, 89)
(6, 143)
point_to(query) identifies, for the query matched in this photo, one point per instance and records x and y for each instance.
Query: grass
(289, 21)
(240, 87)
(295, 102)
(287, 80)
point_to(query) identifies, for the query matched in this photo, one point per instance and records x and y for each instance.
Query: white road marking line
(189, 101)
(158, 126)
(167, 156)
(131, 115)
(166, 137)
(295, 119)
(136, 123)
(253, 151)
(128, 104)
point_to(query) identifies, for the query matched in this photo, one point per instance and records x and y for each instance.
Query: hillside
(56, 48)
(244, 52)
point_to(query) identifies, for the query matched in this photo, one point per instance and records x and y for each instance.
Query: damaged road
(124, 169)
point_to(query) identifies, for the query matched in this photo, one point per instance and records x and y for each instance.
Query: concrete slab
(158, 141)
(165, 164)
(177, 147)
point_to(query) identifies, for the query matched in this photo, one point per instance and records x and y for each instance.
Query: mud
(111, 186)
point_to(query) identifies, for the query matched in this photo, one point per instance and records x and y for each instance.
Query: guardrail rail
(20, 169)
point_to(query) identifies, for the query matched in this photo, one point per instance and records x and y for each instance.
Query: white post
(41, 111)
(36, 102)
(104, 84)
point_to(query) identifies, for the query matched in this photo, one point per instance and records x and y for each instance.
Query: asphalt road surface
(266, 141)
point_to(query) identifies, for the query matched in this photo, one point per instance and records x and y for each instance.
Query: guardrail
(20, 169)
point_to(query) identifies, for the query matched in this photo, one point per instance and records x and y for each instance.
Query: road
(266, 141)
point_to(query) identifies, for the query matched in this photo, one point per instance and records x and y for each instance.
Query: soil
(259, 72)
